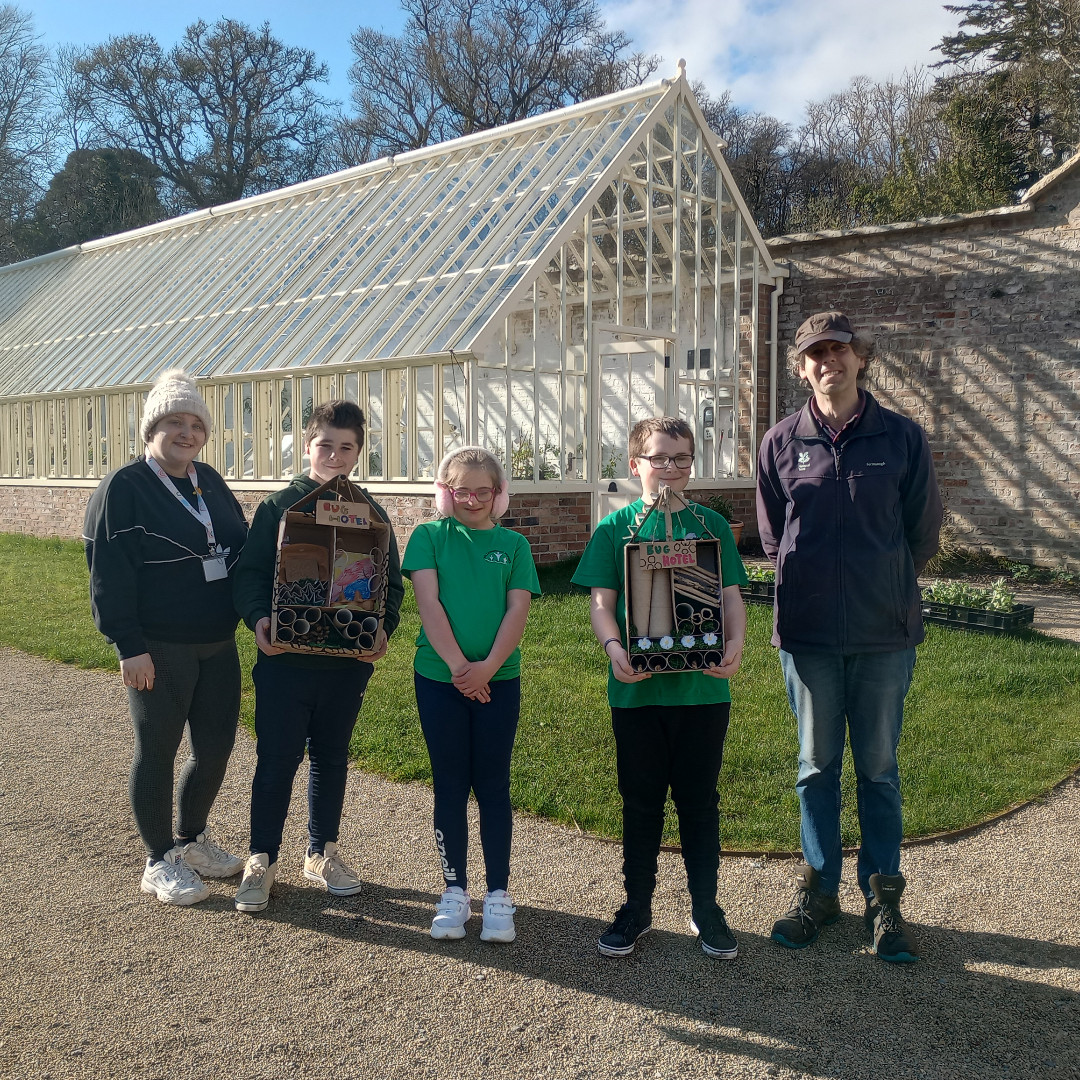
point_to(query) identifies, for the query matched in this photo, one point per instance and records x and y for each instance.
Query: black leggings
(680, 747)
(470, 744)
(197, 686)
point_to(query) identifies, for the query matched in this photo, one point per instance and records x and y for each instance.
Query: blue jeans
(860, 694)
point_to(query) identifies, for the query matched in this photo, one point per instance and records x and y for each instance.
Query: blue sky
(773, 55)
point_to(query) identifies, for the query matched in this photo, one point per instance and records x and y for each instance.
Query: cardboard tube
(657, 662)
(639, 663)
(365, 642)
(661, 616)
(370, 624)
(640, 597)
(285, 616)
(342, 617)
(301, 628)
(285, 633)
(312, 615)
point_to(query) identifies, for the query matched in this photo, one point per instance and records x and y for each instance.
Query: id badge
(214, 568)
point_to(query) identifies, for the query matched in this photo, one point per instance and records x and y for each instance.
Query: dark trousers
(470, 744)
(680, 747)
(298, 709)
(197, 687)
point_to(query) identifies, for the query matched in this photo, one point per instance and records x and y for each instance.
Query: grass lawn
(990, 721)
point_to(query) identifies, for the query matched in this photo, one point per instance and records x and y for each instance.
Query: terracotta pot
(736, 530)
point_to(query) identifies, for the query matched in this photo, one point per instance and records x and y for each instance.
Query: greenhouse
(534, 288)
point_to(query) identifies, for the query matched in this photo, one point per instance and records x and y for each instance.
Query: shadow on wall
(982, 350)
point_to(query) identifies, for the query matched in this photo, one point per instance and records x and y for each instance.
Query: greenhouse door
(633, 385)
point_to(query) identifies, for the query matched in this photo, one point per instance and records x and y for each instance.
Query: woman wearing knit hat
(161, 536)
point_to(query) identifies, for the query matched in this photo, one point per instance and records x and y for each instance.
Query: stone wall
(978, 330)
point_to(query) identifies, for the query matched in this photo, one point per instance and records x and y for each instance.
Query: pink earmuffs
(444, 500)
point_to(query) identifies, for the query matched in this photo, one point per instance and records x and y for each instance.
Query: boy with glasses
(669, 730)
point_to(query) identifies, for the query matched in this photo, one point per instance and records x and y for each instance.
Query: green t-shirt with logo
(603, 567)
(476, 567)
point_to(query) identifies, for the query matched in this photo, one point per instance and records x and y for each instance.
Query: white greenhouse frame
(534, 288)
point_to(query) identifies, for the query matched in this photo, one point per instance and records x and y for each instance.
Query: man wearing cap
(849, 512)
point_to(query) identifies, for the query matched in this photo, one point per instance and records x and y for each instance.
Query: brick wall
(978, 332)
(556, 525)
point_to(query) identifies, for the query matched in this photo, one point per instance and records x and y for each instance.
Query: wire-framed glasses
(481, 495)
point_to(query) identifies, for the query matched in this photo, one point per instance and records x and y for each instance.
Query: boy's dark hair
(339, 414)
(671, 426)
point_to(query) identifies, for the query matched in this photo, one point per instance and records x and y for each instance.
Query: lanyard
(202, 514)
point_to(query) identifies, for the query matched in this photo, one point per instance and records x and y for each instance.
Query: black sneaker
(893, 940)
(712, 930)
(631, 921)
(811, 910)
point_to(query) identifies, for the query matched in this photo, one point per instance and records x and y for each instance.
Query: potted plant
(720, 503)
(990, 610)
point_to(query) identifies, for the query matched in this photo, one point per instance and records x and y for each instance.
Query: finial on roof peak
(681, 73)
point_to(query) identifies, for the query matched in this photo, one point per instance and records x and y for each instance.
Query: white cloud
(775, 55)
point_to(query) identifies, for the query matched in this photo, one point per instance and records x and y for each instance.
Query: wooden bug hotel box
(330, 574)
(674, 602)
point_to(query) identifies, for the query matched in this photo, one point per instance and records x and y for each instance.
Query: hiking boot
(172, 881)
(893, 940)
(331, 870)
(712, 931)
(452, 913)
(631, 921)
(208, 860)
(254, 891)
(810, 911)
(498, 917)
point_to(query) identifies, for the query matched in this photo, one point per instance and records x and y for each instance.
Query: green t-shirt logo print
(498, 557)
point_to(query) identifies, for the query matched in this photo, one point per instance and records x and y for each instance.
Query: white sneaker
(331, 870)
(254, 891)
(172, 881)
(209, 860)
(498, 917)
(451, 914)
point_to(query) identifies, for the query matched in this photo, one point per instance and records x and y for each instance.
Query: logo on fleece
(804, 460)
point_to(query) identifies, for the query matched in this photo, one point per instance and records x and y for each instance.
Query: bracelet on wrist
(609, 641)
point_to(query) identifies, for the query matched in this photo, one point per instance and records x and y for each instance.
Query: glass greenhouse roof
(418, 255)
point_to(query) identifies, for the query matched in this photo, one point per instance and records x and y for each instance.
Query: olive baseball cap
(824, 326)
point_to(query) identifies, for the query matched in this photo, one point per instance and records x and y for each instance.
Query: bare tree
(24, 126)
(229, 111)
(462, 66)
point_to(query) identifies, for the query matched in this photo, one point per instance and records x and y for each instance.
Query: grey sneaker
(172, 881)
(451, 914)
(331, 870)
(207, 859)
(254, 891)
(893, 939)
(498, 917)
(810, 911)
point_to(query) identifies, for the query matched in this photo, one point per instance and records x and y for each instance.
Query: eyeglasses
(663, 461)
(481, 495)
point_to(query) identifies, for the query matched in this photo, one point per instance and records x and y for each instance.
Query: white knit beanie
(174, 391)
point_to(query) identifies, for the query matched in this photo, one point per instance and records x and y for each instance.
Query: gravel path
(97, 980)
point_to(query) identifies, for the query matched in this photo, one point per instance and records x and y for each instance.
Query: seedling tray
(758, 592)
(979, 619)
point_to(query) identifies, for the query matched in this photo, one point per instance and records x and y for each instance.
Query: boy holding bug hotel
(669, 729)
(304, 700)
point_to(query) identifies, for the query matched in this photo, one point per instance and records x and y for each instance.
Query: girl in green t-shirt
(474, 581)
